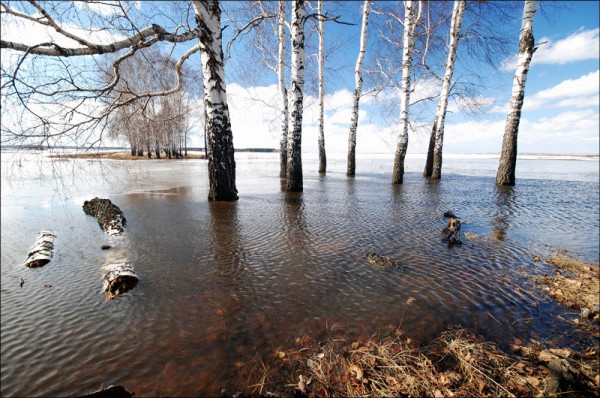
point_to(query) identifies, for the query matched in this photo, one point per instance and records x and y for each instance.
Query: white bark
(440, 117)
(282, 89)
(508, 156)
(221, 162)
(321, 30)
(40, 253)
(410, 20)
(294, 165)
(351, 167)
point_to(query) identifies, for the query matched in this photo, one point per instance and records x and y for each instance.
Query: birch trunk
(508, 156)
(282, 90)
(410, 20)
(40, 253)
(294, 148)
(220, 151)
(351, 167)
(440, 117)
(322, 155)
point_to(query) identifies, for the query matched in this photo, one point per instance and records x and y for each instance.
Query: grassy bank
(458, 363)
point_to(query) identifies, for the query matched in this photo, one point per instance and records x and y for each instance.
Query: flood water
(224, 283)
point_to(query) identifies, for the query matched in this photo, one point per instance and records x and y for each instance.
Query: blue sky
(561, 105)
(561, 112)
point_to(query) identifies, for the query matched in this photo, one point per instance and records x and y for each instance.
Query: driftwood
(118, 275)
(451, 233)
(40, 253)
(118, 279)
(109, 392)
(109, 216)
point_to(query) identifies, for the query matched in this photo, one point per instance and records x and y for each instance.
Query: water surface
(224, 282)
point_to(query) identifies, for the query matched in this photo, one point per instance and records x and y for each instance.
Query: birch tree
(294, 149)
(433, 165)
(321, 141)
(410, 21)
(508, 156)
(67, 84)
(358, 80)
(281, 39)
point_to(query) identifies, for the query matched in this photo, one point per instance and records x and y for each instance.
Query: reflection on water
(224, 282)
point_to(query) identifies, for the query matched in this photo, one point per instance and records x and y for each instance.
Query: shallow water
(224, 282)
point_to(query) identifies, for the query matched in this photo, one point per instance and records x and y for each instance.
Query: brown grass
(573, 283)
(456, 364)
(119, 155)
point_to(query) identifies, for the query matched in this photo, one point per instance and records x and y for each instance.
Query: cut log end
(40, 253)
(118, 279)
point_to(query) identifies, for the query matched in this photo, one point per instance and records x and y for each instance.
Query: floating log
(109, 216)
(109, 392)
(451, 233)
(118, 279)
(40, 253)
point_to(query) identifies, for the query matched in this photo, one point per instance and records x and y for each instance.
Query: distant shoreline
(121, 155)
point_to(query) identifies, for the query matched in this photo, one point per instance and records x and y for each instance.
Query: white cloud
(579, 46)
(580, 92)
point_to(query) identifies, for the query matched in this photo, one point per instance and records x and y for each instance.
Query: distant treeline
(121, 148)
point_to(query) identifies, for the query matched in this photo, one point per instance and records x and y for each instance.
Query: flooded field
(224, 282)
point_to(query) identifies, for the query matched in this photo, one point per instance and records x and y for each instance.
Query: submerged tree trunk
(410, 20)
(440, 117)
(322, 154)
(282, 91)
(220, 151)
(508, 156)
(351, 166)
(294, 148)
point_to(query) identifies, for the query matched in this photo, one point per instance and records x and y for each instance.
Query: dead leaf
(321, 355)
(533, 381)
(438, 394)
(410, 300)
(280, 354)
(481, 386)
(355, 345)
(357, 371)
(546, 356)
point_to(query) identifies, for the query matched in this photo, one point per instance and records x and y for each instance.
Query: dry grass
(574, 284)
(456, 364)
(117, 155)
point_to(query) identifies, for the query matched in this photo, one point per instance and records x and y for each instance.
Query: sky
(560, 113)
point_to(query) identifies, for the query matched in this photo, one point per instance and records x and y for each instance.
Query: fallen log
(118, 275)
(40, 253)
(118, 279)
(109, 216)
(451, 233)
